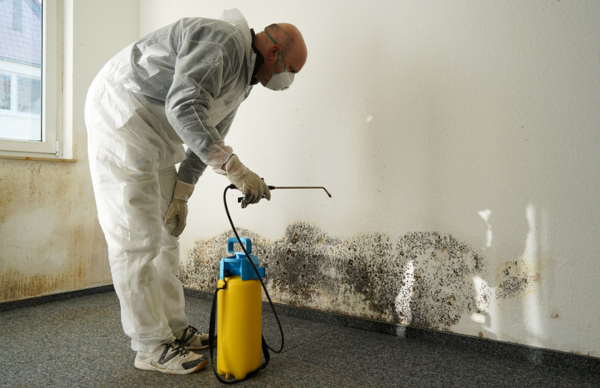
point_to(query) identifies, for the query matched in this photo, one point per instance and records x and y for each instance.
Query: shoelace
(176, 349)
(187, 335)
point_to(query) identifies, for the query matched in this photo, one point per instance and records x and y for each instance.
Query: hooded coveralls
(180, 84)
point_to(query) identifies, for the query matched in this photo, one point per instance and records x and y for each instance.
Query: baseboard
(536, 356)
(17, 304)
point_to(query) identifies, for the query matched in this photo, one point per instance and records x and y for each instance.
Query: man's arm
(204, 69)
(192, 167)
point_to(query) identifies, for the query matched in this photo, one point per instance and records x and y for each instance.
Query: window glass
(5, 85)
(30, 93)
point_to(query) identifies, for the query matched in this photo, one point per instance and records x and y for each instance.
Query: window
(30, 78)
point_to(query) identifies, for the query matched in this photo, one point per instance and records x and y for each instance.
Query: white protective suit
(180, 84)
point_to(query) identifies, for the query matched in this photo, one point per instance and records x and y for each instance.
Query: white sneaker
(172, 359)
(192, 339)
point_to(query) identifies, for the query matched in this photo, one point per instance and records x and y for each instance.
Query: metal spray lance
(240, 199)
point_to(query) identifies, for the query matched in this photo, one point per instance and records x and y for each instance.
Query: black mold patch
(421, 279)
(517, 278)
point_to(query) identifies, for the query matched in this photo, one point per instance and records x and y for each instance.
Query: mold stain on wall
(17, 285)
(50, 238)
(82, 265)
(422, 279)
(516, 277)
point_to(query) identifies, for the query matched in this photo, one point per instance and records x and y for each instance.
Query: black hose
(253, 266)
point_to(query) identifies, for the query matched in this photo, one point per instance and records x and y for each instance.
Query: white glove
(178, 208)
(246, 181)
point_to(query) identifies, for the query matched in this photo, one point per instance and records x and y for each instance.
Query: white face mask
(280, 81)
(283, 80)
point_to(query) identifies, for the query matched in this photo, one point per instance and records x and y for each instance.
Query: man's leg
(167, 261)
(128, 199)
(167, 264)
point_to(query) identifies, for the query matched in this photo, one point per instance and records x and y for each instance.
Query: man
(180, 84)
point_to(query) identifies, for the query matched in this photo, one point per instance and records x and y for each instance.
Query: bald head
(291, 41)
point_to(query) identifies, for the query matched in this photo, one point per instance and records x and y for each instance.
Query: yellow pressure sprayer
(239, 313)
(241, 346)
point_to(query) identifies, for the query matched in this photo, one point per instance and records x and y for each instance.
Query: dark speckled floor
(79, 343)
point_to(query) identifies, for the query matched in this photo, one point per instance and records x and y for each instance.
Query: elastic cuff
(150, 346)
(183, 190)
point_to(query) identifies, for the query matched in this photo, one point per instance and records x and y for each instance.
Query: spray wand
(240, 199)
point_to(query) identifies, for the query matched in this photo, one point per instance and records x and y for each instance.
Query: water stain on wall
(82, 265)
(422, 279)
(50, 237)
(17, 285)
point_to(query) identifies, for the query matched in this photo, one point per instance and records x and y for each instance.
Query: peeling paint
(423, 279)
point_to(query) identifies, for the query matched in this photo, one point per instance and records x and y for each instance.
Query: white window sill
(33, 156)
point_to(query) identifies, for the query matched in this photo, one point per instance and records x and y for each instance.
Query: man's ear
(273, 52)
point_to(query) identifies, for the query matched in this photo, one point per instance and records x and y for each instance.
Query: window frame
(52, 81)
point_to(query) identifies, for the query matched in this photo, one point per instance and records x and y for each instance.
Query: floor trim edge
(536, 356)
(29, 302)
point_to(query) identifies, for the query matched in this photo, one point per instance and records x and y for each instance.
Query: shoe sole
(148, 367)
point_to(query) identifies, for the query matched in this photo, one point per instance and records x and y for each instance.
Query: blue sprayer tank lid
(238, 264)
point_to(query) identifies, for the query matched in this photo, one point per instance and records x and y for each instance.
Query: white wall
(475, 119)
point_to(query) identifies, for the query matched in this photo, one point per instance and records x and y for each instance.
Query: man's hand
(246, 181)
(178, 208)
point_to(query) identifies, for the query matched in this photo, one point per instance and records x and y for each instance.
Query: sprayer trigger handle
(240, 199)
